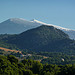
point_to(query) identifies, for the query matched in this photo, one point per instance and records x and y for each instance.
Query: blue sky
(58, 12)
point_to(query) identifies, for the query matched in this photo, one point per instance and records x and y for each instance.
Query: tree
(27, 72)
(12, 59)
(37, 67)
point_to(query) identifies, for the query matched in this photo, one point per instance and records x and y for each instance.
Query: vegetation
(43, 57)
(7, 45)
(57, 58)
(53, 58)
(43, 38)
(9, 65)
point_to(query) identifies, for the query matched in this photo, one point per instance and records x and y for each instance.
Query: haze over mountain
(19, 25)
(16, 26)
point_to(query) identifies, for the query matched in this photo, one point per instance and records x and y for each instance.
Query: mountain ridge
(19, 25)
(43, 38)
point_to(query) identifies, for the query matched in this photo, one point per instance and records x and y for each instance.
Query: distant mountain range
(19, 25)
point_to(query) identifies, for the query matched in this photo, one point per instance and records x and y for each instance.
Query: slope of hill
(43, 38)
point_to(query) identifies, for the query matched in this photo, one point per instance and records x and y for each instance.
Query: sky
(57, 12)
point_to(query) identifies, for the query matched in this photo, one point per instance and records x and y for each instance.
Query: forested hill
(43, 38)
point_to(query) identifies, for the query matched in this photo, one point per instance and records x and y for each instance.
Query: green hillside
(43, 38)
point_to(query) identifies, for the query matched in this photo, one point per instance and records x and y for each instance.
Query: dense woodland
(10, 65)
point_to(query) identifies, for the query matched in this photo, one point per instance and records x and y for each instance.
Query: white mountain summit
(19, 25)
(36, 21)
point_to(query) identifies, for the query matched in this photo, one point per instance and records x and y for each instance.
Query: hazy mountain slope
(71, 33)
(16, 26)
(43, 38)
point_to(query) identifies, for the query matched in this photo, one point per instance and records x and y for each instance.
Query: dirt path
(5, 49)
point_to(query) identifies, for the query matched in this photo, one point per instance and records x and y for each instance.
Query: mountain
(43, 38)
(70, 32)
(16, 26)
(19, 25)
